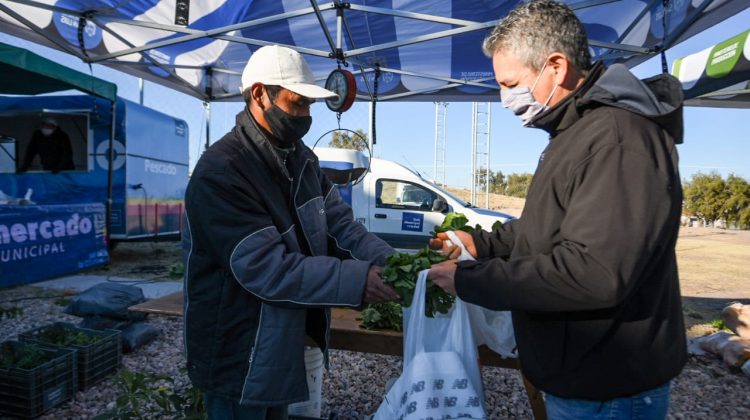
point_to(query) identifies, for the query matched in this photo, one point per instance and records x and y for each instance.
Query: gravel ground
(355, 384)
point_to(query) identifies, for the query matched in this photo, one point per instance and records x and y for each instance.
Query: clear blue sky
(715, 139)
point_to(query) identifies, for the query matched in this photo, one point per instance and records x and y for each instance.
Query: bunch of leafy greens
(382, 316)
(458, 221)
(401, 272)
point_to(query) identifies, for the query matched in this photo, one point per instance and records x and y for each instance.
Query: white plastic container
(314, 368)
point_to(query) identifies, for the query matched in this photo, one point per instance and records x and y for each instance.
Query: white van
(394, 202)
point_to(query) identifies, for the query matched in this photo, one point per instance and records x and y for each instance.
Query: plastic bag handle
(416, 325)
(416, 328)
(465, 255)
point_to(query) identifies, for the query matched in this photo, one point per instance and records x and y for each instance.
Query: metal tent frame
(103, 14)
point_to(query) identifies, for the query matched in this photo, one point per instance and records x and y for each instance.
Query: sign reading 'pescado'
(40, 242)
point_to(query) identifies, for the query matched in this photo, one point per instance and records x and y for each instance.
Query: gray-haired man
(589, 269)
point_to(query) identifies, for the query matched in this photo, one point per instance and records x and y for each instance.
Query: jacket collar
(566, 112)
(252, 135)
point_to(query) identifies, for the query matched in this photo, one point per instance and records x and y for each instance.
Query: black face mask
(286, 128)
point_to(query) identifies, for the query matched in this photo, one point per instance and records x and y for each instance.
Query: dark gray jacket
(268, 248)
(589, 269)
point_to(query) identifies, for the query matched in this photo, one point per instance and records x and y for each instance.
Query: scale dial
(342, 83)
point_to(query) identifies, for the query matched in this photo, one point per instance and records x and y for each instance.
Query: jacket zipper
(252, 352)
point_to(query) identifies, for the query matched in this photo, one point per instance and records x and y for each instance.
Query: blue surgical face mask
(520, 100)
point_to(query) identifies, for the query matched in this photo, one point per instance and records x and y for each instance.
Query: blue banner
(41, 242)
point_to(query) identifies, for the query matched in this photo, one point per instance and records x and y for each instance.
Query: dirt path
(714, 269)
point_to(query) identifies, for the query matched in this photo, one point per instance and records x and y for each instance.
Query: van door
(403, 214)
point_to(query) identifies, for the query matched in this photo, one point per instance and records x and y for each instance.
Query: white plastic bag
(444, 381)
(493, 328)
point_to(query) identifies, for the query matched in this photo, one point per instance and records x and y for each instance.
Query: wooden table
(170, 305)
(346, 334)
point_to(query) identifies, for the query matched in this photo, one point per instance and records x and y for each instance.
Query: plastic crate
(28, 393)
(96, 361)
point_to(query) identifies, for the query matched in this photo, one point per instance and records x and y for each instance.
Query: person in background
(589, 269)
(269, 247)
(52, 146)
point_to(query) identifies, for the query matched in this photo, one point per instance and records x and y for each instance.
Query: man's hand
(444, 275)
(376, 291)
(442, 243)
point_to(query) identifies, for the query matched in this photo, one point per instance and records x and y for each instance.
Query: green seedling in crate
(21, 357)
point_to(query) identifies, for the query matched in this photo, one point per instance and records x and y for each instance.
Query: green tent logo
(725, 55)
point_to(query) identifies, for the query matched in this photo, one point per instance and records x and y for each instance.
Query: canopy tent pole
(371, 129)
(208, 77)
(339, 18)
(207, 110)
(109, 173)
(140, 90)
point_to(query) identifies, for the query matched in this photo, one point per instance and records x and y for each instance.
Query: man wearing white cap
(52, 146)
(269, 247)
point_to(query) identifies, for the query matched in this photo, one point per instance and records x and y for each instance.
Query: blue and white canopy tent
(718, 76)
(424, 50)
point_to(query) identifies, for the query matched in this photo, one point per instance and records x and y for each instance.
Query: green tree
(496, 180)
(518, 184)
(347, 140)
(497, 183)
(736, 208)
(705, 196)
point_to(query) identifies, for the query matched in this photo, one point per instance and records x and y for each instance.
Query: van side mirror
(439, 205)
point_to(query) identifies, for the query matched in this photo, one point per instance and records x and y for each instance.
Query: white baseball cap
(282, 66)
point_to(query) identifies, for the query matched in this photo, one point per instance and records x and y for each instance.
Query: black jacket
(55, 152)
(589, 269)
(268, 248)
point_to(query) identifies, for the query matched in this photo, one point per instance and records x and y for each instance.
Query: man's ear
(257, 92)
(561, 67)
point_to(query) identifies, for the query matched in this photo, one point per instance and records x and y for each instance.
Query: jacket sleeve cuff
(352, 281)
(461, 281)
(480, 243)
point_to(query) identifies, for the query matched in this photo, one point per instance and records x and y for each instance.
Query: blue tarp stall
(149, 168)
(425, 50)
(718, 76)
(39, 242)
(31, 256)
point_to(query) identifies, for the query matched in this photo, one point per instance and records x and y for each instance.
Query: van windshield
(448, 193)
